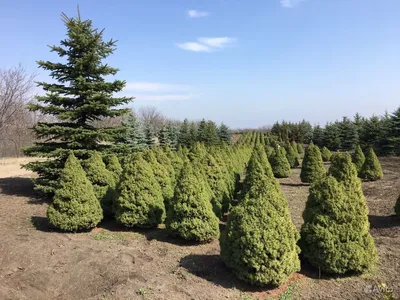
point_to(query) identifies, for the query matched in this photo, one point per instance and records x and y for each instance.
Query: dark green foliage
(394, 131)
(102, 180)
(332, 136)
(269, 151)
(148, 137)
(184, 137)
(190, 215)
(279, 163)
(74, 205)
(259, 243)
(163, 137)
(397, 207)
(77, 96)
(140, 200)
(326, 154)
(294, 146)
(224, 134)
(292, 156)
(358, 158)
(300, 149)
(113, 165)
(348, 134)
(371, 169)
(335, 235)
(312, 168)
(217, 182)
(318, 136)
(161, 175)
(165, 161)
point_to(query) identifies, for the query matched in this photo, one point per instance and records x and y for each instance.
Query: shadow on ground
(21, 187)
(294, 184)
(384, 221)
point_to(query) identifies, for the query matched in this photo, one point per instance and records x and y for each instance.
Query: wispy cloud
(290, 3)
(207, 44)
(197, 14)
(144, 86)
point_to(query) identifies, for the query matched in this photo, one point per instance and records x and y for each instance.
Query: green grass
(106, 235)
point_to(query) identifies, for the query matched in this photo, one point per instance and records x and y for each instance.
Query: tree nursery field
(110, 262)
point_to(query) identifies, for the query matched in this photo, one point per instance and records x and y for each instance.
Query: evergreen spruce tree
(295, 148)
(312, 167)
(292, 156)
(172, 132)
(358, 158)
(176, 161)
(224, 134)
(326, 154)
(74, 205)
(202, 131)
(132, 139)
(193, 133)
(279, 163)
(394, 131)
(259, 243)
(113, 165)
(163, 137)
(300, 148)
(212, 137)
(165, 161)
(102, 180)
(161, 175)
(318, 136)
(332, 136)
(348, 134)
(78, 95)
(184, 137)
(140, 200)
(190, 215)
(148, 137)
(335, 235)
(371, 169)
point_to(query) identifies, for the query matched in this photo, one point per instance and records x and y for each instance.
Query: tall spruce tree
(163, 137)
(348, 134)
(394, 131)
(78, 95)
(224, 134)
(184, 138)
(133, 138)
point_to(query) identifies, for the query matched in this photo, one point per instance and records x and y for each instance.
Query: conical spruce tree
(74, 205)
(161, 175)
(216, 180)
(292, 156)
(102, 180)
(358, 158)
(260, 241)
(113, 165)
(335, 235)
(78, 95)
(176, 161)
(190, 215)
(165, 161)
(312, 167)
(371, 169)
(279, 163)
(300, 149)
(326, 154)
(140, 200)
(295, 148)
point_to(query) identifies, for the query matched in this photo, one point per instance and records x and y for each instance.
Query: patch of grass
(106, 235)
(141, 292)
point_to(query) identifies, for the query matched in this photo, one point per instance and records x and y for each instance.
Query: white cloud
(195, 47)
(143, 86)
(207, 44)
(219, 42)
(197, 14)
(166, 97)
(290, 3)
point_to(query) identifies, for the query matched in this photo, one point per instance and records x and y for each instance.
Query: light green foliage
(75, 206)
(279, 163)
(113, 165)
(102, 180)
(326, 154)
(371, 169)
(259, 243)
(140, 200)
(300, 148)
(216, 180)
(295, 147)
(312, 168)
(190, 215)
(165, 161)
(176, 161)
(269, 151)
(292, 156)
(161, 175)
(358, 158)
(335, 235)
(77, 95)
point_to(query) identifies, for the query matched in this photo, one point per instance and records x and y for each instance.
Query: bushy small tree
(335, 235)
(102, 180)
(326, 154)
(113, 165)
(279, 163)
(190, 215)
(75, 206)
(140, 200)
(300, 148)
(371, 169)
(358, 158)
(259, 243)
(292, 156)
(312, 168)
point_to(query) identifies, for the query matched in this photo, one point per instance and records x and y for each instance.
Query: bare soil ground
(109, 262)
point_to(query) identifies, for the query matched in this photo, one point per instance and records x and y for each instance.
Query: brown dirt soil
(37, 262)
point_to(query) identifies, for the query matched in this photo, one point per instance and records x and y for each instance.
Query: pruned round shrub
(279, 163)
(335, 235)
(140, 200)
(190, 215)
(371, 169)
(358, 158)
(312, 167)
(259, 243)
(326, 154)
(75, 206)
(102, 180)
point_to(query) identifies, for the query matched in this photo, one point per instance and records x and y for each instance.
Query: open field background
(110, 262)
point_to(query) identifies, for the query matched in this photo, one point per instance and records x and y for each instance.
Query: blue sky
(246, 63)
